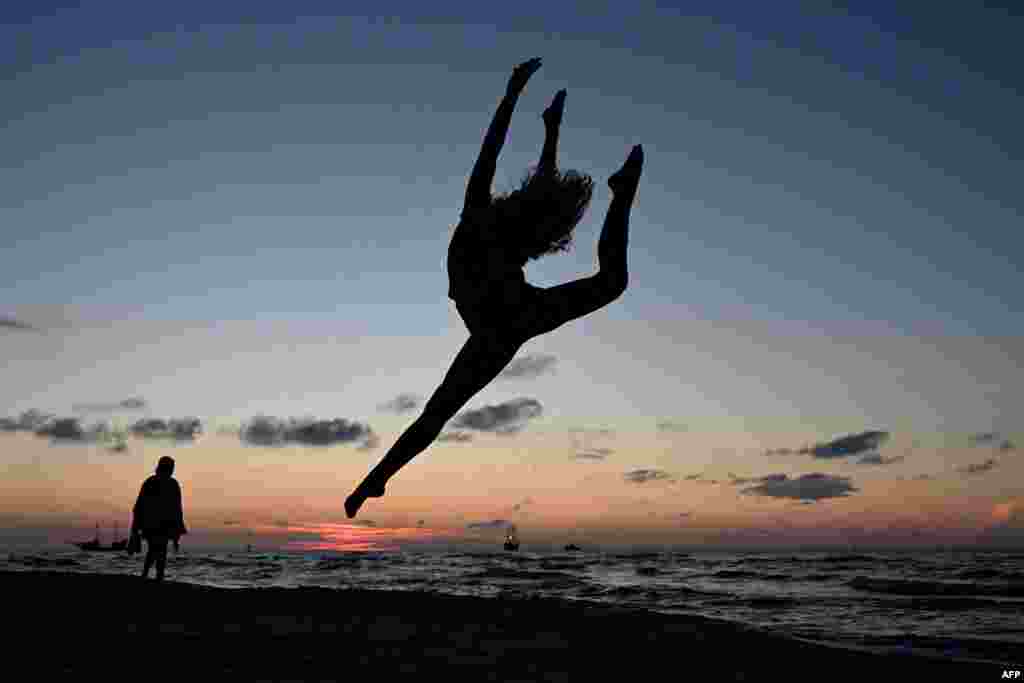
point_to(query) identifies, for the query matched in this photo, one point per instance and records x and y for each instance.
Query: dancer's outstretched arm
(552, 123)
(478, 191)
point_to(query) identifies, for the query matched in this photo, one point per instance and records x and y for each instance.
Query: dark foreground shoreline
(107, 627)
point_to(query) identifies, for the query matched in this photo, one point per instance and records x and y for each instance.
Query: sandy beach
(121, 628)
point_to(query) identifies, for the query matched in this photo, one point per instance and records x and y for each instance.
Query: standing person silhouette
(158, 516)
(494, 239)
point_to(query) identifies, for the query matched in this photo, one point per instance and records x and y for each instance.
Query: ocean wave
(541, 579)
(39, 561)
(917, 587)
(996, 574)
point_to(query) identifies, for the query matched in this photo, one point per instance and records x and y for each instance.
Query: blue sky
(233, 209)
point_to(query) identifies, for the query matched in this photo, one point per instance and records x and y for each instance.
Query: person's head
(539, 216)
(165, 466)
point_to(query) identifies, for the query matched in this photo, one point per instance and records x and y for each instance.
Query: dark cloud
(643, 476)
(127, 404)
(263, 431)
(231, 522)
(593, 454)
(983, 438)
(781, 451)
(70, 430)
(806, 487)
(272, 431)
(28, 421)
(505, 418)
(491, 525)
(458, 437)
(878, 459)
(179, 429)
(421, 522)
(739, 481)
(529, 366)
(671, 426)
(852, 444)
(401, 404)
(364, 522)
(978, 467)
(581, 439)
(64, 429)
(16, 325)
(693, 477)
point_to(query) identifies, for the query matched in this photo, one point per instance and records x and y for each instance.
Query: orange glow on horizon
(342, 537)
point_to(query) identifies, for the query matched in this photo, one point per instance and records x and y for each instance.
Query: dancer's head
(539, 216)
(165, 466)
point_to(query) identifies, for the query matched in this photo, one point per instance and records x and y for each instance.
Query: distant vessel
(511, 542)
(95, 546)
(572, 546)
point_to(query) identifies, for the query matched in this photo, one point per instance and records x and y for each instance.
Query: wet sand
(103, 627)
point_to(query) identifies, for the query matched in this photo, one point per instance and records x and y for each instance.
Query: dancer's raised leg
(562, 303)
(479, 361)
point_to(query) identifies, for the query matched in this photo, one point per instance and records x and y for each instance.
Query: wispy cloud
(270, 431)
(593, 454)
(879, 459)
(979, 467)
(457, 437)
(134, 403)
(782, 451)
(491, 525)
(7, 323)
(983, 438)
(642, 476)
(401, 404)
(807, 487)
(505, 418)
(529, 366)
(699, 479)
(993, 439)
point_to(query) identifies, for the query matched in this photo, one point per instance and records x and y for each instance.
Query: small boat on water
(511, 542)
(96, 546)
(572, 546)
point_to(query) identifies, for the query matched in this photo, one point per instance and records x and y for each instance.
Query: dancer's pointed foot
(553, 114)
(627, 178)
(365, 490)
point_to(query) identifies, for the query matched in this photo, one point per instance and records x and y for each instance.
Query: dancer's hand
(521, 74)
(553, 114)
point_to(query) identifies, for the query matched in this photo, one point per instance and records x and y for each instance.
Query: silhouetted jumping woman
(495, 238)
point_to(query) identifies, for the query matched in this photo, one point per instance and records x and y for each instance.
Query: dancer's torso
(479, 270)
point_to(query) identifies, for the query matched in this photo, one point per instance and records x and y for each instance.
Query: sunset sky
(239, 212)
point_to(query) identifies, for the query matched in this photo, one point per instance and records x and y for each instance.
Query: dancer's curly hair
(539, 216)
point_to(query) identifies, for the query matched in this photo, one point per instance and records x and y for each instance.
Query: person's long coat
(158, 510)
